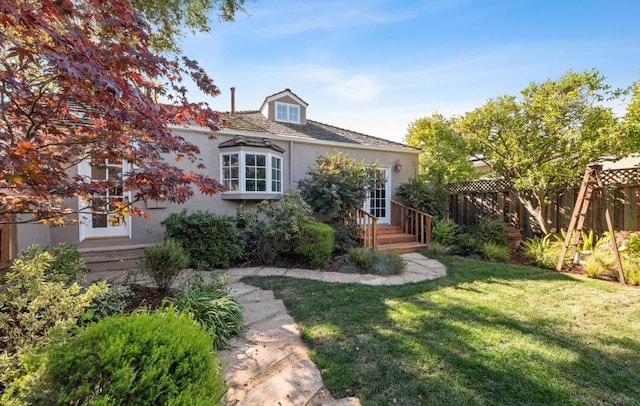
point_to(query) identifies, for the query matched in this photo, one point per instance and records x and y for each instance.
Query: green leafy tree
(632, 117)
(544, 140)
(171, 17)
(444, 157)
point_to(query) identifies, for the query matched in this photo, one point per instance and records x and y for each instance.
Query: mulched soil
(148, 297)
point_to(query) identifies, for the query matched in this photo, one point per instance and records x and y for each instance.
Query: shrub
(66, 265)
(211, 240)
(273, 230)
(365, 260)
(113, 301)
(544, 252)
(316, 243)
(164, 262)
(495, 252)
(491, 229)
(156, 359)
(213, 308)
(467, 244)
(429, 197)
(34, 311)
(443, 231)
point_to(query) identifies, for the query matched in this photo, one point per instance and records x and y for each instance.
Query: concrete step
(402, 248)
(101, 259)
(395, 238)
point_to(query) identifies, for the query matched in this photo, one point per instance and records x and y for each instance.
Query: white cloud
(357, 87)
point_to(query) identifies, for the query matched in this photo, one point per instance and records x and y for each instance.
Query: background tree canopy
(541, 140)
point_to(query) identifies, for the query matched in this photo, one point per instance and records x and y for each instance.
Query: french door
(378, 199)
(98, 217)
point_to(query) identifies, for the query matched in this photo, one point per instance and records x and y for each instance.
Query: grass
(487, 333)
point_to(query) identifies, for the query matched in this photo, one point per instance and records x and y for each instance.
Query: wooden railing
(368, 224)
(412, 221)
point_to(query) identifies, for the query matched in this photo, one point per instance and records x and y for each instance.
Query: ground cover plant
(488, 333)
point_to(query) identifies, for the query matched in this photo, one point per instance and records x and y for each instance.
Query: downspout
(290, 164)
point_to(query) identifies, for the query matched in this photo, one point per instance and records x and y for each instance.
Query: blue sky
(374, 66)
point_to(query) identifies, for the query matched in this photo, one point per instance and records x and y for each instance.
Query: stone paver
(269, 364)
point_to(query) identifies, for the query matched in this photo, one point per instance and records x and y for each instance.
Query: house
(256, 156)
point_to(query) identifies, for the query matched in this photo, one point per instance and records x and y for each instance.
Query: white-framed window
(251, 172)
(288, 113)
(98, 215)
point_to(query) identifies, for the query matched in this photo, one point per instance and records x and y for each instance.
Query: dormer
(285, 107)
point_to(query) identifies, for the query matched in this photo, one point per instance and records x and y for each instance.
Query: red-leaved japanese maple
(78, 79)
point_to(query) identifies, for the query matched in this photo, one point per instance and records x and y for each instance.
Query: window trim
(242, 172)
(289, 107)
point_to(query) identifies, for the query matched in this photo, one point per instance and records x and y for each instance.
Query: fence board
(468, 201)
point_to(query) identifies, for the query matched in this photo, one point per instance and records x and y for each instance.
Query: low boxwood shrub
(214, 308)
(164, 262)
(163, 358)
(211, 240)
(315, 243)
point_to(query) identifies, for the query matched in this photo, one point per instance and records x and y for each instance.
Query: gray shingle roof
(254, 121)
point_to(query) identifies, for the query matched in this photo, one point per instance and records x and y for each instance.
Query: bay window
(251, 172)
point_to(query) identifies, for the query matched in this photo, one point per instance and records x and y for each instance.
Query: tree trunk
(535, 207)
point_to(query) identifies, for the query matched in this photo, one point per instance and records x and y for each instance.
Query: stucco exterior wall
(297, 158)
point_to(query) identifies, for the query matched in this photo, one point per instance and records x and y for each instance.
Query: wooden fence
(468, 201)
(5, 245)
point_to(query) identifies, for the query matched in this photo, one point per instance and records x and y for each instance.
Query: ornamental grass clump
(214, 308)
(365, 260)
(164, 262)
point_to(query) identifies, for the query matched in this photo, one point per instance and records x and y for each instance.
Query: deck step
(395, 238)
(382, 230)
(402, 248)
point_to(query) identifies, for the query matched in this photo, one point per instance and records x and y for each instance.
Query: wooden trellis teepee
(592, 179)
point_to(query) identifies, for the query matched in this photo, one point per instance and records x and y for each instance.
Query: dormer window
(288, 113)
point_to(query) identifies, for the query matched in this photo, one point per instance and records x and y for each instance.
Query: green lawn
(486, 334)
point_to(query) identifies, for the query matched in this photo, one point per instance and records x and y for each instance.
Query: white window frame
(271, 176)
(123, 229)
(292, 113)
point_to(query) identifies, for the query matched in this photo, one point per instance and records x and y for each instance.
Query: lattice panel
(483, 185)
(621, 177)
(610, 178)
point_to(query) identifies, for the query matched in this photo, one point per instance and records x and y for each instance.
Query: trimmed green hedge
(316, 243)
(211, 240)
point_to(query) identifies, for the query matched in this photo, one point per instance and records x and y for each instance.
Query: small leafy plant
(543, 251)
(443, 231)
